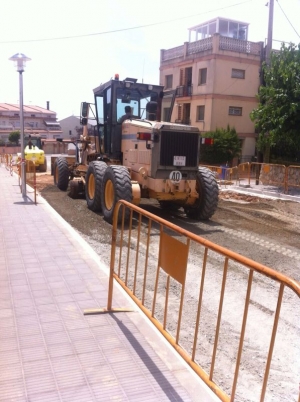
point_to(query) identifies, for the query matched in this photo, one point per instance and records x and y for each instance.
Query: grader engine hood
(161, 148)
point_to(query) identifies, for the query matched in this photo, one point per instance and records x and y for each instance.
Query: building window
(200, 112)
(235, 111)
(235, 73)
(202, 76)
(169, 82)
(166, 112)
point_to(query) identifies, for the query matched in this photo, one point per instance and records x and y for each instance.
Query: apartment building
(37, 120)
(216, 77)
(71, 127)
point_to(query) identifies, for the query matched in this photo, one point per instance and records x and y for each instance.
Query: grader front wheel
(116, 186)
(208, 191)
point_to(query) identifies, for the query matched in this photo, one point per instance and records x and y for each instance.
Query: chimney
(48, 105)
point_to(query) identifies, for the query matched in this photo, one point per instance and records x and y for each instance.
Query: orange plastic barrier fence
(31, 177)
(12, 164)
(203, 298)
(268, 174)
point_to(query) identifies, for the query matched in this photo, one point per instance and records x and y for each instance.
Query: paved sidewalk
(50, 351)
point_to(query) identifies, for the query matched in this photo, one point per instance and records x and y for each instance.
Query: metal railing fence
(203, 297)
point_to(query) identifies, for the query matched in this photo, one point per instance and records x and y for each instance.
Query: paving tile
(75, 324)
(21, 311)
(77, 394)
(11, 371)
(7, 332)
(31, 341)
(53, 338)
(63, 298)
(85, 345)
(43, 300)
(91, 359)
(6, 313)
(12, 390)
(65, 363)
(40, 383)
(46, 316)
(8, 344)
(52, 396)
(70, 379)
(32, 354)
(60, 349)
(80, 334)
(11, 356)
(36, 367)
(99, 375)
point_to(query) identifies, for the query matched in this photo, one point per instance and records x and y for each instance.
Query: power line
(288, 19)
(123, 29)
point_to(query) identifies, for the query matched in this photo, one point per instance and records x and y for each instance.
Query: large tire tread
(97, 169)
(120, 178)
(61, 173)
(206, 205)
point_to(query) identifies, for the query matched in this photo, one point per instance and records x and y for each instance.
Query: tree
(14, 137)
(277, 117)
(226, 146)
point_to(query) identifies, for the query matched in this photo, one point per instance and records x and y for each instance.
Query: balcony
(184, 90)
(186, 121)
(213, 44)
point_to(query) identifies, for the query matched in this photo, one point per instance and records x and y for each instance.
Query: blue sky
(65, 71)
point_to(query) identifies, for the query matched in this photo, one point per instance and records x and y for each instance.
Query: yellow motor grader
(138, 155)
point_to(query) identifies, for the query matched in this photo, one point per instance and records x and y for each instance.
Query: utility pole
(270, 31)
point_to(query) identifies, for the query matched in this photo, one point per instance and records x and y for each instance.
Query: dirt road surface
(267, 231)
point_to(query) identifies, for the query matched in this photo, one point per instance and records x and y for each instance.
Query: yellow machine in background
(33, 151)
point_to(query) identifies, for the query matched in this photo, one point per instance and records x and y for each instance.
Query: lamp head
(19, 60)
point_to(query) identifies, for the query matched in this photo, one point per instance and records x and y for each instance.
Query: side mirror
(84, 109)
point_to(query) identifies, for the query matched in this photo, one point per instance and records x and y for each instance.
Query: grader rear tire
(61, 173)
(93, 186)
(116, 186)
(208, 191)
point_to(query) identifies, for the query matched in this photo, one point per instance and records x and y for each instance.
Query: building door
(188, 81)
(186, 115)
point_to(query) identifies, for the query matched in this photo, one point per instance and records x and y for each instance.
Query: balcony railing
(184, 90)
(186, 121)
(211, 44)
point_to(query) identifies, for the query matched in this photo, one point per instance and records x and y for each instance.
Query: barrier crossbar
(203, 297)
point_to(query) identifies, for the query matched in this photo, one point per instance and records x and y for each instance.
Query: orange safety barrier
(31, 177)
(220, 298)
(268, 174)
(292, 177)
(8, 160)
(223, 174)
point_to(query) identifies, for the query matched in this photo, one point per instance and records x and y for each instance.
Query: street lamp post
(19, 60)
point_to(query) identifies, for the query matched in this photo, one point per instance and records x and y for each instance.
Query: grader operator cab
(138, 155)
